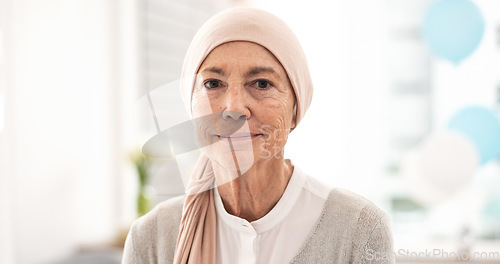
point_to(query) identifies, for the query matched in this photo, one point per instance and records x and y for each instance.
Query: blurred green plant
(142, 165)
(405, 204)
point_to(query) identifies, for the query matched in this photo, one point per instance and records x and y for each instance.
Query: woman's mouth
(238, 136)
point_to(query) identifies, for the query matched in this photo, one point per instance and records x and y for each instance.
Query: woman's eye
(212, 84)
(263, 84)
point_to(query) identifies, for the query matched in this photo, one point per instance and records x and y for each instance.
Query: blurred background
(405, 112)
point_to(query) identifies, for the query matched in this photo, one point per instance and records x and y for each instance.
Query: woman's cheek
(279, 116)
(201, 105)
(202, 119)
(275, 137)
(280, 113)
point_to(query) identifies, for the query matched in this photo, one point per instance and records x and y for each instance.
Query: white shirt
(278, 236)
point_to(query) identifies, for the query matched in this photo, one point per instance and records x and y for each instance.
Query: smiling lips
(238, 136)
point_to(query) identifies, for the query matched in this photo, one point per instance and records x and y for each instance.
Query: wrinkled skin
(243, 83)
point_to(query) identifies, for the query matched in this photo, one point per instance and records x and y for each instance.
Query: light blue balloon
(453, 28)
(482, 126)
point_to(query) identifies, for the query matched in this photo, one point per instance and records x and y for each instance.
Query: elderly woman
(245, 203)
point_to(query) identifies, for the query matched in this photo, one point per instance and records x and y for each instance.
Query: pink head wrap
(197, 235)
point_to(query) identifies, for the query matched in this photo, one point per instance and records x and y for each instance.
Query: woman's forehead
(241, 54)
(243, 48)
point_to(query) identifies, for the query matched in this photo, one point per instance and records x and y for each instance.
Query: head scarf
(197, 232)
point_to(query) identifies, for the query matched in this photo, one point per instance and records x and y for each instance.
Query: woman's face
(247, 92)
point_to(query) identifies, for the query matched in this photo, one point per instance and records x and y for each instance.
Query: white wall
(6, 239)
(62, 140)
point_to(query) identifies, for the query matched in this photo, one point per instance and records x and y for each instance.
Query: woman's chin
(232, 158)
(237, 161)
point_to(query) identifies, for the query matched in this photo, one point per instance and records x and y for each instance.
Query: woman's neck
(253, 194)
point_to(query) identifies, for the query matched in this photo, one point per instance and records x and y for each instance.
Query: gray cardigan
(351, 229)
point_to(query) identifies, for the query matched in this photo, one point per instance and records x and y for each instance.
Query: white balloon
(449, 160)
(440, 166)
(419, 188)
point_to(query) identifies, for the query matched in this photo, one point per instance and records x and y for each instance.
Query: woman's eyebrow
(216, 70)
(257, 70)
(250, 73)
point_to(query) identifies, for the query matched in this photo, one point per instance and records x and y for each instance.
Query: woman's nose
(236, 107)
(233, 115)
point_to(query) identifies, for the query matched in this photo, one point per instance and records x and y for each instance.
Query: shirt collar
(279, 212)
